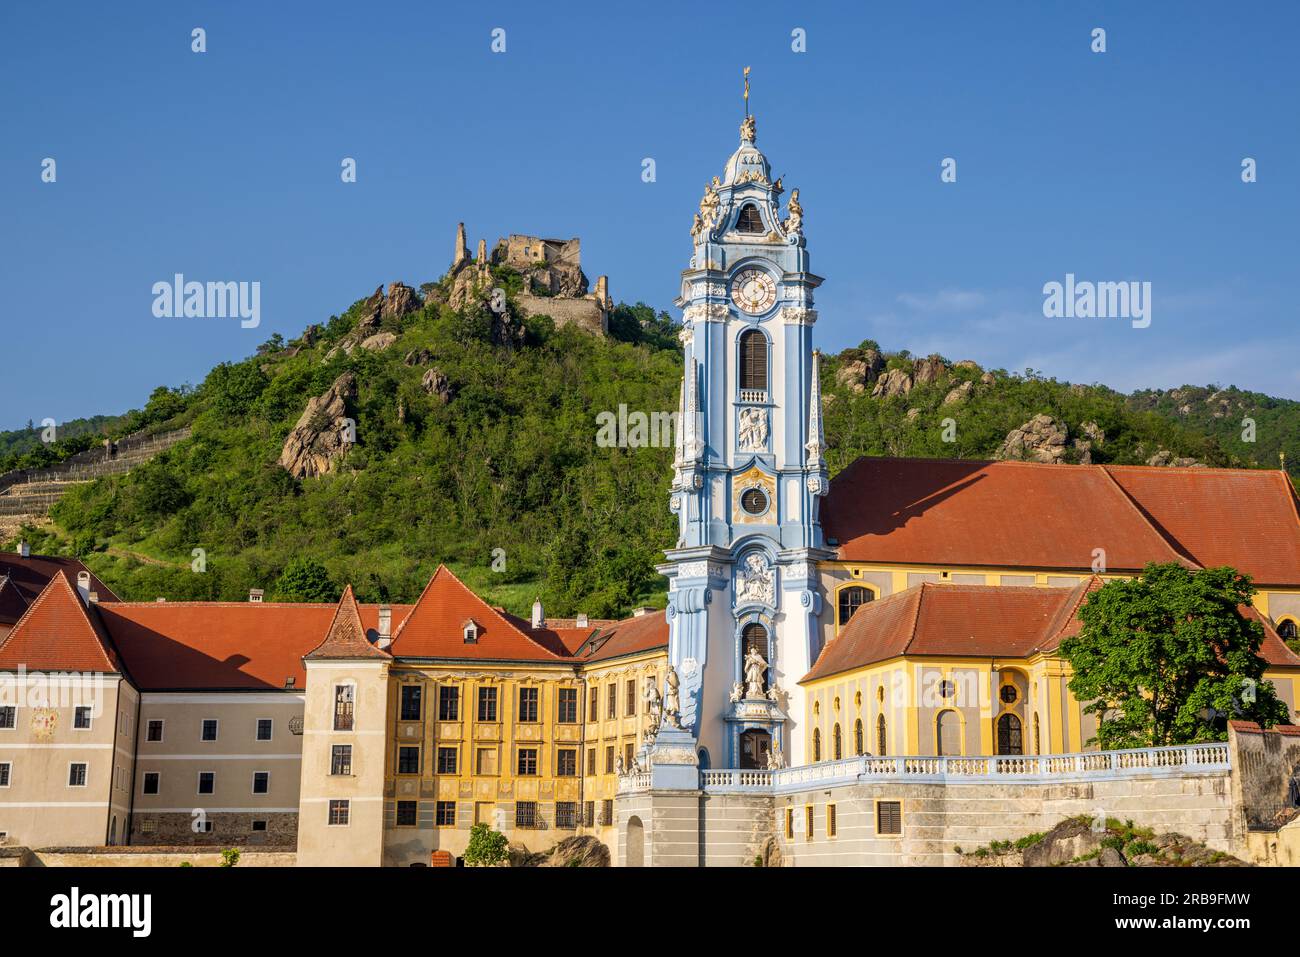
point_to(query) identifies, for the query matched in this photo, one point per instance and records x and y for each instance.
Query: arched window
(750, 221)
(753, 361)
(754, 636)
(851, 599)
(1038, 740)
(947, 733)
(1286, 630)
(837, 743)
(1009, 738)
(817, 744)
(857, 737)
(881, 737)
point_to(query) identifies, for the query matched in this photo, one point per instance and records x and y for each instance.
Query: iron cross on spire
(747, 91)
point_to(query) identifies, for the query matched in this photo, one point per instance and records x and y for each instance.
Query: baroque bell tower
(748, 472)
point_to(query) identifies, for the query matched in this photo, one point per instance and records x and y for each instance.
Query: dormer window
(469, 632)
(750, 221)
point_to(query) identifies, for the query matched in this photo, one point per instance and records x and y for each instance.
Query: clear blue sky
(225, 166)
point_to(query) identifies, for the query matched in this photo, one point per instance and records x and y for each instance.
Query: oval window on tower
(754, 501)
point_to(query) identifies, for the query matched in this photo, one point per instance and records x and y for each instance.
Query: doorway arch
(1010, 735)
(634, 843)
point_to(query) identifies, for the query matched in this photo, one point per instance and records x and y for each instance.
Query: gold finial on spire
(747, 91)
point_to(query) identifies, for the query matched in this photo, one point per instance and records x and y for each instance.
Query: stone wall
(586, 313)
(153, 857)
(228, 828)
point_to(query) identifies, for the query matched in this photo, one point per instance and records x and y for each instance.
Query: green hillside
(507, 471)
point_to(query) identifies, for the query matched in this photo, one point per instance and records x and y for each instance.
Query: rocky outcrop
(1080, 842)
(859, 368)
(417, 357)
(576, 851)
(1041, 439)
(893, 383)
(319, 439)
(435, 384)
(400, 300)
(1166, 459)
(959, 393)
(927, 370)
(379, 341)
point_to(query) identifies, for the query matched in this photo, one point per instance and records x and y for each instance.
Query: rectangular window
(830, 820)
(566, 815)
(485, 761)
(808, 822)
(150, 827)
(487, 704)
(611, 701)
(445, 814)
(527, 762)
(609, 759)
(447, 760)
(448, 703)
(588, 813)
(628, 748)
(151, 779)
(528, 704)
(81, 717)
(344, 699)
(8, 717)
(154, 730)
(568, 707)
(77, 774)
(259, 826)
(261, 782)
(408, 760)
(407, 813)
(629, 705)
(4, 773)
(566, 763)
(591, 762)
(209, 732)
(606, 813)
(338, 813)
(789, 824)
(593, 705)
(410, 702)
(889, 817)
(341, 759)
(526, 814)
(207, 782)
(265, 726)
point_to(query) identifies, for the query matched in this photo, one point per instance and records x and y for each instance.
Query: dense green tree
(305, 579)
(486, 847)
(1167, 657)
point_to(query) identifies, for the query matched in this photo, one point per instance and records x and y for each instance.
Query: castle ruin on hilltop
(554, 283)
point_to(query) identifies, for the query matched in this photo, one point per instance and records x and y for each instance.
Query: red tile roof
(210, 646)
(59, 633)
(628, 637)
(979, 621)
(433, 628)
(346, 637)
(30, 575)
(1246, 518)
(1025, 515)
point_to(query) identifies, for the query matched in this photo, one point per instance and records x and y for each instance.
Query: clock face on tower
(754, 291)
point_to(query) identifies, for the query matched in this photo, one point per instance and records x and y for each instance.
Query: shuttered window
(889, 817)
(753, 360)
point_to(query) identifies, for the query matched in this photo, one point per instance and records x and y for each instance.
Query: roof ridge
(351, 640)
(1174, 545)
(97, 633)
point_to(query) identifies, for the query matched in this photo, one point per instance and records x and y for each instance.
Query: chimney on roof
(642, 611)
(24, 550)
(93, 597)
(83, 586)
(581, 621)
(539, 618)
(385, 627)
(255, 595)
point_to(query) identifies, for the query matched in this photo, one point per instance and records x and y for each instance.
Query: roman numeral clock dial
(753, 291)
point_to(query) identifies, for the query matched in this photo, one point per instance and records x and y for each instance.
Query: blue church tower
(749, 471)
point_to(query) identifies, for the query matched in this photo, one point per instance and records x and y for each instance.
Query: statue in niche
(672, 701)
(755, 673)
(653, 707)
(752, 435)
(794, 221)
(757, 582)
(619, 770)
